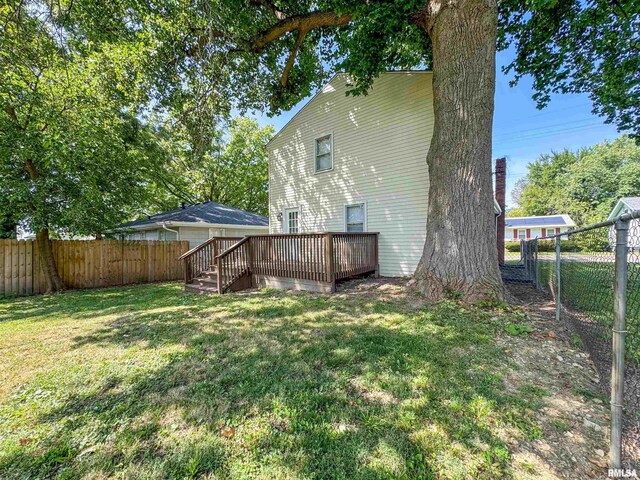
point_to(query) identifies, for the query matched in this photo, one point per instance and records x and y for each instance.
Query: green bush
(512, 246)
(547, 246)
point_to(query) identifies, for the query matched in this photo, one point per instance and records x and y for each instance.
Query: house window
(355, 217)
(324, 153)
(522, 235)
(292, 217)
(167, 235)
(550, 232)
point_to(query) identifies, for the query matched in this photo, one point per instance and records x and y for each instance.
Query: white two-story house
(358, 163)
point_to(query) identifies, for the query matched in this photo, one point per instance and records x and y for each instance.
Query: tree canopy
(228, 165)
(74, 155)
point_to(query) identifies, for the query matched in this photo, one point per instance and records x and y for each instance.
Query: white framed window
(550, 232)
(522, 234)
(323, 153)
(355, 217)
(292, 220)
(167, 235)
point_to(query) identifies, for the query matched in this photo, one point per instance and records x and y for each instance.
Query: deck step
(205, 281)
(202, 289)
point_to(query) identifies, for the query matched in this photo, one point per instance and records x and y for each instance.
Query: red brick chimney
(500, 194)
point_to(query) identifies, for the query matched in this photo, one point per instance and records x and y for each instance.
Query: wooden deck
(307, 261)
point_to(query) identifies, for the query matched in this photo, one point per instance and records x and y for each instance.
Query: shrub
(512, 246)
(547, 246)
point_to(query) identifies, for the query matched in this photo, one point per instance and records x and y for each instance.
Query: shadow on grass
(273, 385)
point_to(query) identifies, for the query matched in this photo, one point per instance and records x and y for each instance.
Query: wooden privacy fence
(89, 264)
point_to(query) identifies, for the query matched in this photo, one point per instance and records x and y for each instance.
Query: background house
(196, 224)
(526, 228)
(358, 163)
(622, 206)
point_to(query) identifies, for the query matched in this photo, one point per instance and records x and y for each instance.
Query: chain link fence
(594, 275)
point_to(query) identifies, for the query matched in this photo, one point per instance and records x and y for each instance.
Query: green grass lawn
(147, 382)
(587, 287)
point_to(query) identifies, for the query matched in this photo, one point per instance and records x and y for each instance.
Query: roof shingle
(207, 212)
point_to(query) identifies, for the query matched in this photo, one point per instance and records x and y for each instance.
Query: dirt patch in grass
(575, 417)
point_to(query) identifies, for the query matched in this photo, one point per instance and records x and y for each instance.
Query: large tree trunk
(54, 282)
(460, 249)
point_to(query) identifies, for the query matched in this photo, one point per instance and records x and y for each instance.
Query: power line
(539, 135)
(550, 127)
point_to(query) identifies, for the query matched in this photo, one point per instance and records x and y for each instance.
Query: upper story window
(355, 217)
(324, 153)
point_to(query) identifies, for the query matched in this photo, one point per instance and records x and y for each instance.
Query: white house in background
(627, 205)
(196, 224)
(358, 163)
(526, 228)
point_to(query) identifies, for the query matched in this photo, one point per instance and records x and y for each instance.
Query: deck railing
(201, 258)
(354, 254)
(317, 257)
(302, 256)
(234, 265)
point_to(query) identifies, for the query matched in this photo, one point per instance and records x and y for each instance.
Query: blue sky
(521, 132)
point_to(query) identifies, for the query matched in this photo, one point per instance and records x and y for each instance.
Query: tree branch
(11, 111)
(207, 35)
(304, 22)
(292, 58)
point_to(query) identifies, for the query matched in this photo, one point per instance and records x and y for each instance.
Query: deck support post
(186, 263)
(250, 261)
(331, 278)
(375, 255)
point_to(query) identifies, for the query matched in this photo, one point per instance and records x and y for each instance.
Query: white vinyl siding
(380, 143)
(197, 235)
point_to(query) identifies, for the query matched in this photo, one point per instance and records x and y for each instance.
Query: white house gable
(361, 156)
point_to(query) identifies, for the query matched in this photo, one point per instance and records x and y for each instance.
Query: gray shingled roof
(632, 202)
(207, 212)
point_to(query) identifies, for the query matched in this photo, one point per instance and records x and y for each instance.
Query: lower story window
(355, 217)
(551, 232)
(522, 235)
(167, 235)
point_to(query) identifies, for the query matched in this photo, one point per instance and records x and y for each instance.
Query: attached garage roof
(207, 212)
